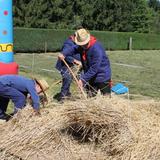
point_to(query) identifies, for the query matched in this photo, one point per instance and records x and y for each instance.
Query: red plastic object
(8, 68)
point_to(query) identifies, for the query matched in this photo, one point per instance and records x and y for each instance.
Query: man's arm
(67, 51)
(34, 96)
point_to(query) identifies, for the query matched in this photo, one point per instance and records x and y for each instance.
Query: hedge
(42, 40)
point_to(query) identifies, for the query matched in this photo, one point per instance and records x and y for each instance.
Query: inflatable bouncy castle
(7, 64)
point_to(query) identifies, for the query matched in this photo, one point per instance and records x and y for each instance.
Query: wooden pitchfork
(75, 78)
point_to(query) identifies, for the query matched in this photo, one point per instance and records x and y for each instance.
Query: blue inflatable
(7, 64)
(6, 31)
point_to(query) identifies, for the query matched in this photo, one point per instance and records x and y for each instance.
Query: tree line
(106, 15)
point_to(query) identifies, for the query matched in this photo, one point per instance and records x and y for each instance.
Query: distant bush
(37, 40)
(41, 40)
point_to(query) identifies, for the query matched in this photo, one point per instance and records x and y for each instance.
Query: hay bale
(96, 129)
(101, 124)
(7, 156)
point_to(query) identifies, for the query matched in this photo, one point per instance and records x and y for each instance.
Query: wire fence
(129, 74)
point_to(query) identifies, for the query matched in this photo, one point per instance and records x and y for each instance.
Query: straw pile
(96, 129)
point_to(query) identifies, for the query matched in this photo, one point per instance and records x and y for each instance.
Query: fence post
(130, 43)
(45, 47)
(33, 62)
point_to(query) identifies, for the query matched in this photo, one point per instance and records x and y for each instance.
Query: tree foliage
(155, 5)
(110, 15)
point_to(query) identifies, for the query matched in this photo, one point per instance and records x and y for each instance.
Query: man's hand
(77, 62)
(61, 56)
(43, 99)
(80, 83)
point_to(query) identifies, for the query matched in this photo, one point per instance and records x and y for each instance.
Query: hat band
(82, 39)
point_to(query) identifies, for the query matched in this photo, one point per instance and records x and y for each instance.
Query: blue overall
(16, 88)
(60, 66)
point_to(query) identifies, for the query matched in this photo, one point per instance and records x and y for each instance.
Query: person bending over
(17, 88)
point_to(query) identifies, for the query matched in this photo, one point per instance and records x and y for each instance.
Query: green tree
(155, 4)
(141, 17)
(112, 15)
(19, 12)
(32, 13)
(125, 15)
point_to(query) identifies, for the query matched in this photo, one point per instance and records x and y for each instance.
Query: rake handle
(75, 78)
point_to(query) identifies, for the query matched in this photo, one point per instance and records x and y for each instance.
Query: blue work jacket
(96, 63)
(70, 58)
(24, 85)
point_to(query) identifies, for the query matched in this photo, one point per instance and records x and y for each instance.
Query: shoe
(56, 96)
(68, 94)
(6, 117)
(60, 97)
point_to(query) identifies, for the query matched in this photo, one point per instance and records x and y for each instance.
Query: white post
(130, 43)
(45, 47)
(33, 62)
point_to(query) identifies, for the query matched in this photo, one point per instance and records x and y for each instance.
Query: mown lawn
(139, 70)
(142, 74)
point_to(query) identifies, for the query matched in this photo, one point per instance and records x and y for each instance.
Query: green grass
(37, 65)
(142, 77)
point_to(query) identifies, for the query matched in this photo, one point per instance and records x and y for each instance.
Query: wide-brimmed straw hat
(82, 37)
(43, 85)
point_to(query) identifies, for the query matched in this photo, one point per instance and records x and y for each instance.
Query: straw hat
(43, 85)
(82, 37)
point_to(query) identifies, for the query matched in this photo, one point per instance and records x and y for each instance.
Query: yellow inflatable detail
(6, 47)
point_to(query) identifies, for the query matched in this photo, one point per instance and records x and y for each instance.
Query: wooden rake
(75, 78)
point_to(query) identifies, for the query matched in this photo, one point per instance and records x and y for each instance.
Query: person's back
(16, 81)
(96, 63)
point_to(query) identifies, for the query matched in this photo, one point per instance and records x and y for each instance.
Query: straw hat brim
(43, 90)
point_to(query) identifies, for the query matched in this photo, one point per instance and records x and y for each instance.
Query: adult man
(17, 88)
(72, 59)
(96, 65)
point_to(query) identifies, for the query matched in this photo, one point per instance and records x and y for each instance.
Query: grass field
(139, 70)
